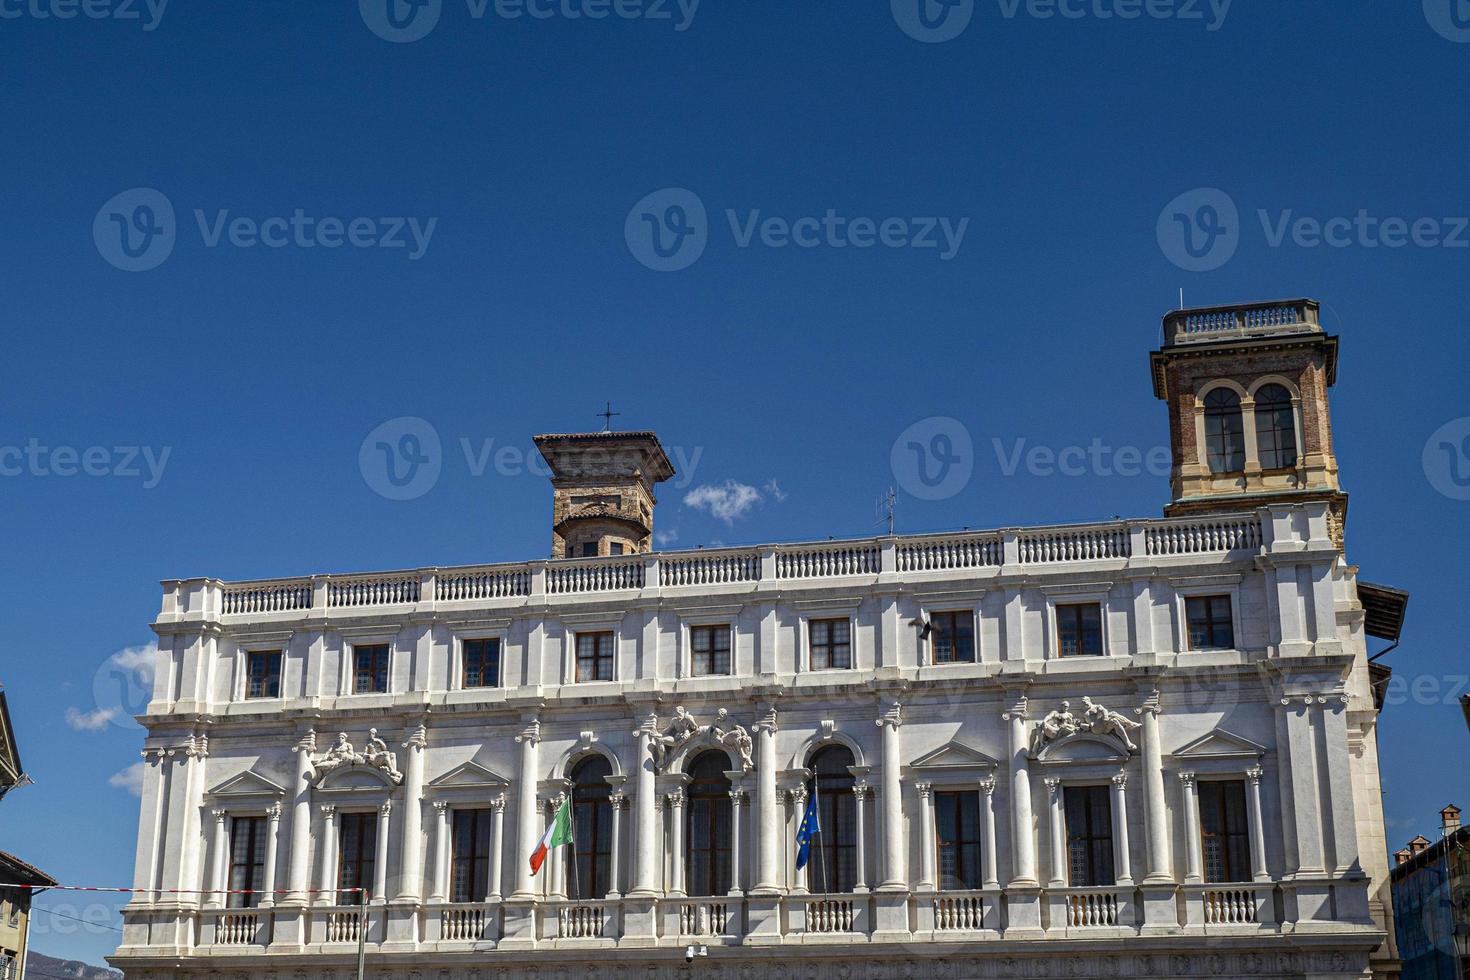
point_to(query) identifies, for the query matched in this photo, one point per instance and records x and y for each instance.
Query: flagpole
(821, 850)
(572, 828)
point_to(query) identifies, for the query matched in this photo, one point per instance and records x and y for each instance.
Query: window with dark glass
(481, 662)
(590, 876)
(370, 669)
(594, 656)
(1089, 811)
(589, 549)
(1224, 831)
(957, 831)
(1079, 629)
(469, 875)
(1275, 428)
(952, 637)
(357, 843)
(615, 548)
(709, 650)
(263, 674)
(831, 643)
(708, 829)
(832, 866)
(247, 861)
(1224, 431)
(1210, 625)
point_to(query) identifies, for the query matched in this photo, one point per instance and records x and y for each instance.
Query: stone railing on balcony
(467, 923)
(828, 914)
(930, 557)
(332, 925)
(706, 918)
(586, 920)
(235, 928)
(1230, 322)
(1080, 909)
(1244, 905)
(959, 912)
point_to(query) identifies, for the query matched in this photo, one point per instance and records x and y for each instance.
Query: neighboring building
(1431, 902)
(15, 912)
(11, 773)
(1124, 749)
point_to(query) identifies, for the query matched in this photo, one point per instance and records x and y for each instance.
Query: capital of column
(197, 746)
(328, 809)
(862, 792)
(273, 812)
(1187, 778)
(1121, 780)
(987, 785)
(1017, 710)
(497, 803)
(925, 790)
(1150, 704)
(1254, 774)
(619, 801)
(386, 807)
(891, 715)
(220, 815)
(1053, 783)
(417, 737)
(797, 795)
(783, 796)
(531, 733)
(307, 742)
(675, 799)
(738, 797)
(766, 722)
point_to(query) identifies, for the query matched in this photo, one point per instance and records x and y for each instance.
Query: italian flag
(559, 833)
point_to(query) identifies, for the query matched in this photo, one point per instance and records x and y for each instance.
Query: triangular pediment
(469, 775)
(248, 783)
(1220, 744)
(954, 755)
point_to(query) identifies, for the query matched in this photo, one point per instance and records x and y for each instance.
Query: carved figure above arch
(684, 733)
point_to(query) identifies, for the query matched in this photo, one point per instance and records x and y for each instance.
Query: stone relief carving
(341, 755)
(683, 729)
(1094, 719)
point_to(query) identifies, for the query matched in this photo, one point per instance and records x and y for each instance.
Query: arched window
(708, 832)
(1275, 428)
(1224, 431)
(832, 867)
(592, 822)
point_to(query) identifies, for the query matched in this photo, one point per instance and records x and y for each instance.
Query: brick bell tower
(1249, 421)
(602, 491)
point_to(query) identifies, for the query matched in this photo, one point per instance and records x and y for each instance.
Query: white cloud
(90, 721)
(666, 537)
(730, 500)
(130, 779)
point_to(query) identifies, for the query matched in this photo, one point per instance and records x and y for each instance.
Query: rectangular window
(358, 842)
(263, 674)
(594, 657)
(470, 876)
(370, 669)
(709, 650)
(831, 644)
(615, 548)
(1079, 630)
(953, 637)
(589, 549)
(1225, 837)
(247, 861)
(957, 816)
(481, 662)
(1210, 625)
(1089, 812)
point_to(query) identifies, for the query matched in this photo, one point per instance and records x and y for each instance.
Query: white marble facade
(1287, 710)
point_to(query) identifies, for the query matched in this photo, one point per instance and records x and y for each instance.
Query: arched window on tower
(708, 832)
(1224, 432)
(1275, 428)
(832, 866)
(592, 821)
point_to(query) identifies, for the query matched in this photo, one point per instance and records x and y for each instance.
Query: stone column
(218, 860)
(380, 854)
(927, 853)
(327, 880)
(895, 870)
(411, 877)
(618, 803)
(861, 793)
(528, 830)
(196, 754)
(497, 846)
(675, 801)
(646, 850)
(1194, 872)
(767, 810)
(298, 870)
(1023, 838)
(987, 817)
(272, 851)
(556, 861)
(795, 812)
(1156, 814)
(439, 890)
(1259, 871)
(737, 804)
(1122, 857)
(1057, 828)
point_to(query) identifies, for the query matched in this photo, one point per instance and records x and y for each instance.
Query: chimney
(1402, 857)
(1419, 844)
(1450, 819)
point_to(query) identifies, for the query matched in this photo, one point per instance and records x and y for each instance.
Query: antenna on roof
(607, 415)
(887, 504)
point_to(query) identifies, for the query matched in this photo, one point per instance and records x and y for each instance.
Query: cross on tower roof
(607, 415)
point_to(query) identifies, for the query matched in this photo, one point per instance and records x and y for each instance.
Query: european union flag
(809, 828)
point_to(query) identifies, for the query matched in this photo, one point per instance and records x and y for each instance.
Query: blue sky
(518, 147)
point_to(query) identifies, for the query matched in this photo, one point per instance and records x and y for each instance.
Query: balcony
(1217, 323)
